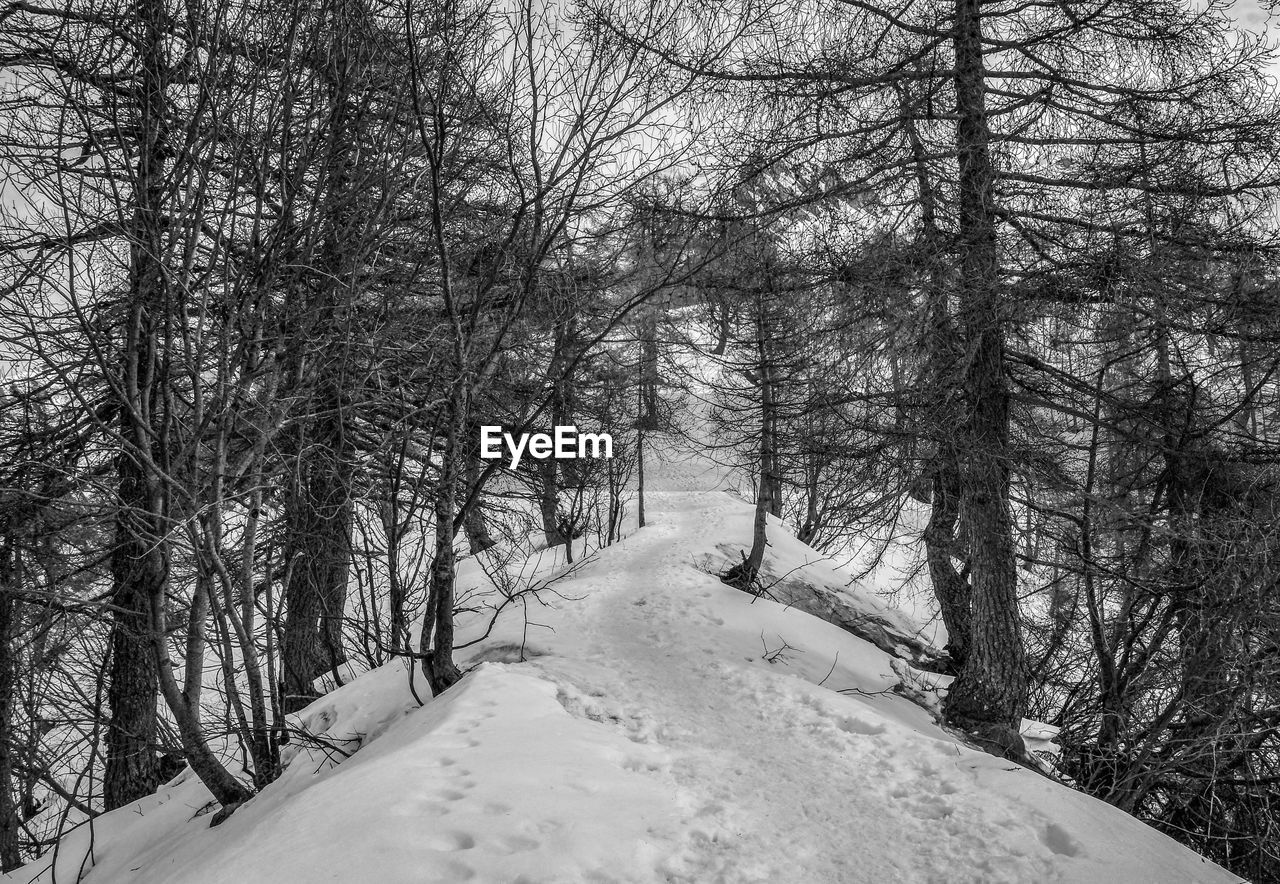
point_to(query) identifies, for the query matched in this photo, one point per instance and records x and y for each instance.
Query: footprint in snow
(449, 872)
(448, 841)
(1059, 840)
(851, 725)
(509, 845)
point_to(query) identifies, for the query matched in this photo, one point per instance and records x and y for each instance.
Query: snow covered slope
(662, 728)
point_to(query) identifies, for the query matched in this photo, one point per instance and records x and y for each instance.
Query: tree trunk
(479, 538)
(949, 587)
(549, 501)
(320, 505)
(139, 563)
(436, 641)
(319, 514)
(647, 398)
(10, 821)
(137, 572)
(939, 392)
(226, 789)
(991, 688)
(640, 477)
(264, 748)
(771, 461)
(743, 575)
(720, 311)
(812, 489)
(140, 559)
(649, 414)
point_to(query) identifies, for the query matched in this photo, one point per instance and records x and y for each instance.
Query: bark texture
(990, 691)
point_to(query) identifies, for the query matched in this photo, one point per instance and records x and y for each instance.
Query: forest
(997, 280)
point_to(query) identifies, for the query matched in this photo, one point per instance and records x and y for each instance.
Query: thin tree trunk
(647, 400)
(649, 416)
(743, 575)
(720, 309)
(436, 642)
(812, 517)
(771, 462)
(949, 587)
(226, 789)
(548, 502)
(640, 476)
(265, 750)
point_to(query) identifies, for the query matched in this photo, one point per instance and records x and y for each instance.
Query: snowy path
(659, 732)
(813, 766)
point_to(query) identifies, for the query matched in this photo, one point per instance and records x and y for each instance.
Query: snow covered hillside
(647, 723)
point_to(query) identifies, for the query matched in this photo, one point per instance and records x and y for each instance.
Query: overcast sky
(1252, 15)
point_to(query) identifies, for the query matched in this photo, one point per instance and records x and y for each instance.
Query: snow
(662, 727)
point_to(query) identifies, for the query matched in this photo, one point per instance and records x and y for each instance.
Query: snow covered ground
(645, 723)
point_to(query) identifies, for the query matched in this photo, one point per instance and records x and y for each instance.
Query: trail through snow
(773, 771)
(662, 728)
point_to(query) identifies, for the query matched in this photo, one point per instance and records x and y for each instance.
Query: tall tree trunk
(320, 505)
(939, 385)
(1207, 601)
(743, 575)
(10, 821)
(140, 558)
(990, 691)
(319, 549)
(137, 572)
(561, 409)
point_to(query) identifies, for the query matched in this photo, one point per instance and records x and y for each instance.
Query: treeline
(1029, 319)
(998, 275)
(267, 267)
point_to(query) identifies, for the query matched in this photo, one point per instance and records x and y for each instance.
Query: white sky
(1252, 15)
